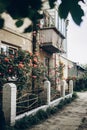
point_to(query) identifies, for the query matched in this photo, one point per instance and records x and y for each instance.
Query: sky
(77, 40)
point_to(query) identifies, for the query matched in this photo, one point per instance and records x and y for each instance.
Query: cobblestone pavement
(69, 118)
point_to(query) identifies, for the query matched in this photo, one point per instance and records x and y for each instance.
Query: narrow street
(69, 118)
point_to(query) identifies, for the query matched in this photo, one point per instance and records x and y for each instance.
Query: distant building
(80, 71)
(75, 70)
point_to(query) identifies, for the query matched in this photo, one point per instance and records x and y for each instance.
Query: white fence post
(71, 86)
(9, 102)
(63, 84)
(47, 86)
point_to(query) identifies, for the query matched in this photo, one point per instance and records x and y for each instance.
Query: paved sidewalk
(69, 118)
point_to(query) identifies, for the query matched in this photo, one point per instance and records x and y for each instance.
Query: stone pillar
(63, 84)
(9, 102)
(47, 86)
(71, 86)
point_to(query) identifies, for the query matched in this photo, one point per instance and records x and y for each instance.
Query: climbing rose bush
(20, 68)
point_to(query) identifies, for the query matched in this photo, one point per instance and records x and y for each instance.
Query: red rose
(20, 65)
(6, 59)
(9, 70)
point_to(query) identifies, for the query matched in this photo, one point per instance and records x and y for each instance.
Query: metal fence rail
(55, 94)
(29, 101)
(26, 101)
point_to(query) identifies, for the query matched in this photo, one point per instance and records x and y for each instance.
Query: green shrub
(49, 111)
(68, 100)
(33, 120)
(83, 119)
(22, 123)
(54, 110)
(61, 104)
(74, 96)
(28, 122)
(65, 101)
(80, 84)
(10, 128)
(41, 114)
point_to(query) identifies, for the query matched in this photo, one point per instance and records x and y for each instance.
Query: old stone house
(52, 41)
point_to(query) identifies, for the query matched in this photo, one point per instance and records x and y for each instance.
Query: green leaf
(18, 9)
(72, 7)
(35, 4)
(3, 5)
(28, 29)
(1, 23)
(77, 13)
(52, 3)
(19, 23)
(2, 8)
(63, 11)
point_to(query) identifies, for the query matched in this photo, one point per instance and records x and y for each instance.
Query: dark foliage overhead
(20, 9)
(52, 3)
(72, 7)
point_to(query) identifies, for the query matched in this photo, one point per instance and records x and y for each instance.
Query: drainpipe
(34, 40)
(34, 43)
(55, 70)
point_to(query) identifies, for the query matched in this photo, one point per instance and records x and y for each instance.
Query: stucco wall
(65, 70)
(72, 69)
(15, 39)
(15, 36)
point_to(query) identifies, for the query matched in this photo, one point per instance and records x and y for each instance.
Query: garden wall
(9, 100)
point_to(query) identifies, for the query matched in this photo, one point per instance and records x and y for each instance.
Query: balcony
(51, 39)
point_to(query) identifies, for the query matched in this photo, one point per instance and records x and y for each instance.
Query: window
(3, 49)
(46, 63)
(7, 49)
(63, 27)
(60, 25)
(12, 51)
